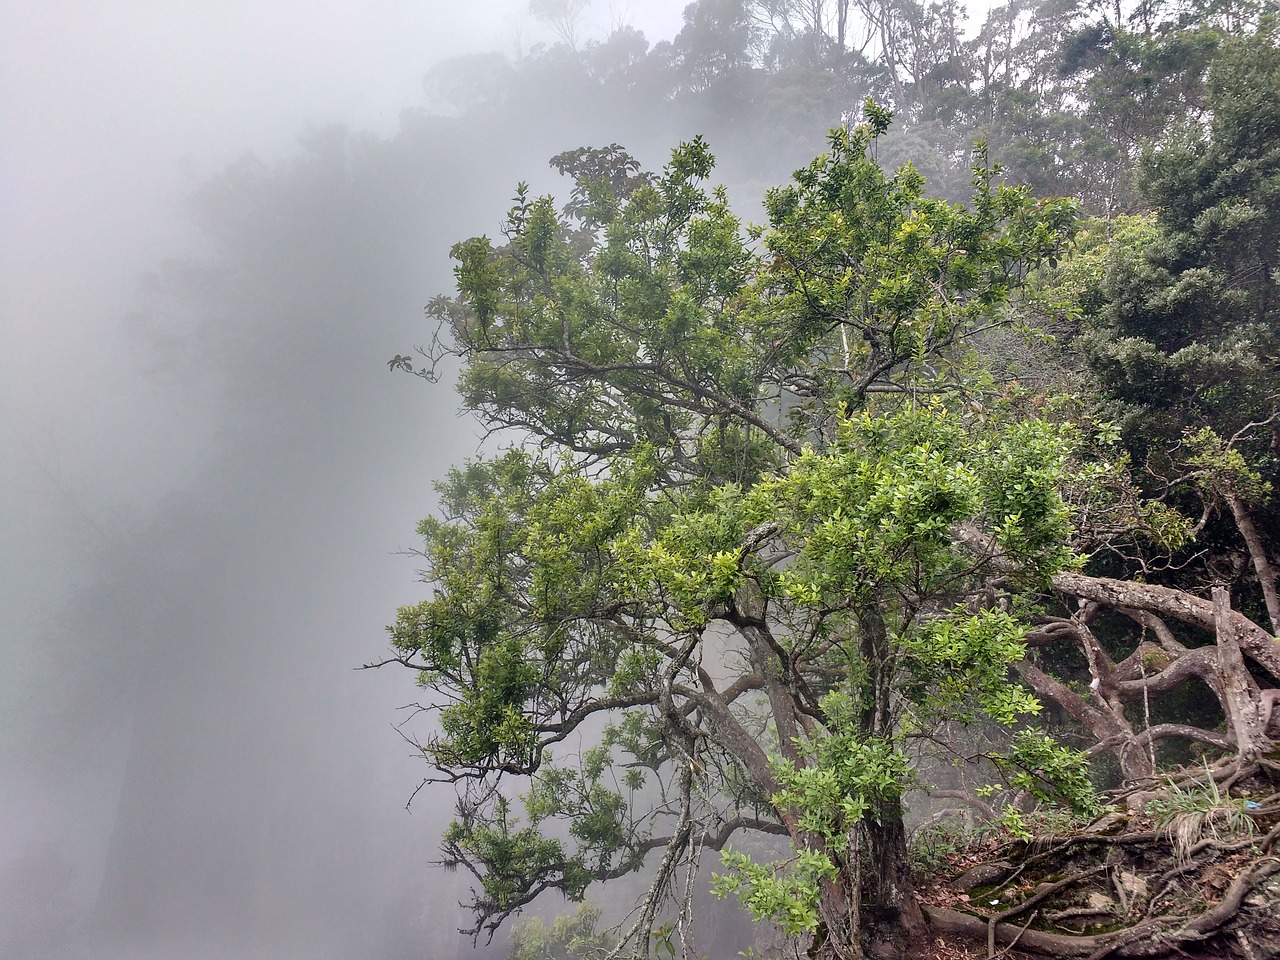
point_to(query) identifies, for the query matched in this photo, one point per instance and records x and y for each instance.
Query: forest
(888, 543)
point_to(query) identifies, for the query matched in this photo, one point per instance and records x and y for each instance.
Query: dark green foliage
(1191, 329)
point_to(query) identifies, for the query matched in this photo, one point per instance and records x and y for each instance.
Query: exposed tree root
(971, 927)
(1043, 892)
(1132, 894)
(1149, 938)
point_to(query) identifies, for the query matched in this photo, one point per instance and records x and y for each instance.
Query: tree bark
(888, 904)
(1260, 645)
(1111, 729)
(1241, 698)
(840, 907)
(1224, 667)
(1261, 562)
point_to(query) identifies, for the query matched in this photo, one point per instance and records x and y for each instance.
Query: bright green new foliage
(758, 547)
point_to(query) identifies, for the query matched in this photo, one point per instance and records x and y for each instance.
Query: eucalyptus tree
(715, 587)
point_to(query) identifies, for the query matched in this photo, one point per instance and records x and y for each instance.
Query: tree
(1192, 322)
(1184, 332)
(567, 938)
(715, 43)
(1154, 637)
(562, 16)
(725, 547)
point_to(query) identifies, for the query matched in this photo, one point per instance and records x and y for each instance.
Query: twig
(991, 955)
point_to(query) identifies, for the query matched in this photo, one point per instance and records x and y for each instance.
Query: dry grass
(1188, 815)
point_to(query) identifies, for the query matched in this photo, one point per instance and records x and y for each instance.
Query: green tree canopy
(722, 565)
(1183, 329)
(1192, 323)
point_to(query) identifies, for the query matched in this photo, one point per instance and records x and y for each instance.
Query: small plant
(935, 843)
(664, 941)
(1057, 821)
(1188, 815)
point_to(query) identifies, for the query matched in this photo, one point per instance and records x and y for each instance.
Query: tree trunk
(889, 910)
(1261, 562)
(891, 913)
(840, 935)
(1241, 697)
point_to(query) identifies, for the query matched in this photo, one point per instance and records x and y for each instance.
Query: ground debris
(1203, 882)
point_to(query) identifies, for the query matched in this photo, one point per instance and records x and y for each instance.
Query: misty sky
(110, 112)
(206, 469)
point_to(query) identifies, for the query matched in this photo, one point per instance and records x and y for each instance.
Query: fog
(219, 221)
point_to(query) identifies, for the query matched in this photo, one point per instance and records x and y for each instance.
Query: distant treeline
(1064, 92)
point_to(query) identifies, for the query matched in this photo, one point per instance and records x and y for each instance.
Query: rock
(1112, 823)
(1132, 884)
(1097, 900)
(982, 875)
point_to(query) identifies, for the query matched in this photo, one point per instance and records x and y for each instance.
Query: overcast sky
(109, 111)
(190, 569)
